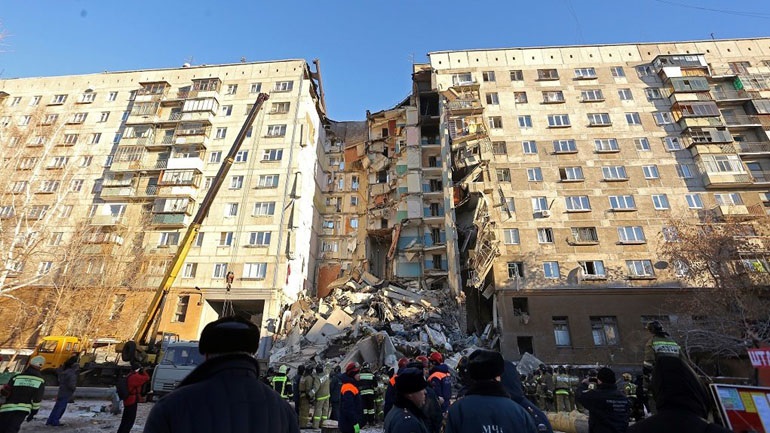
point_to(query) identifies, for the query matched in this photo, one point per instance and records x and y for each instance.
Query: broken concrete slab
(370, 279)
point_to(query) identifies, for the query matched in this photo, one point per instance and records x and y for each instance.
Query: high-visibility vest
(279, 384)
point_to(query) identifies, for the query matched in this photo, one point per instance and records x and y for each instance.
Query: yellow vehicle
(57, 349)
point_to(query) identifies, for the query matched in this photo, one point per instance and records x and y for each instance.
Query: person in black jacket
(512, 384)
(23, 393)
(681, 400)
(432, 406)
(406, 415)
(351, 406)
(68, 381)
(224, 394)
(335, 388)
(607, 406)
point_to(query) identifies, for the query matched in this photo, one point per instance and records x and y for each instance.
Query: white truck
(179, 359)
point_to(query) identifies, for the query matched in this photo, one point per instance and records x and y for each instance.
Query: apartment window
(226, 239)
(577, 203)
(640, 268)
(645, 71)
(198, 242)
(24, 120)
(564, 146)
(264, 208)
(539, 204)
(268, 181)
(660, 201)
(545, 235)
(585, 73)
(503, 175)
(617, 71)
(13, 141)
(58, 99)
(517, 75)
(499, 148)
(255, 271)
(255, 88)
(460, 79)
(642, 144)
(231, 89)
(511, 236)
(276, 130)
(561, 331)
(35, 101)
(37, 211)
(495, 122)
(112, 96)
(207, 182)
(280, 107)
(662, 118)
(241, 157)
(6, 211)
(529, 147)
(116, 138)
(76, 185)
(591, 95)
(652, 93)
(220, 270)
(215, 157)
(509, 204)
(168, 239)
(227, 110)
(488, 76)
(354, 183)
(261, 239)
(95, 138)
(44, 267)
(55, 238)
(728, 199)
(685, 171)
(622, 202)
(633, 119)
(19, 186)
(606, 145)
(723, 164)
(50, 119)
(631, 235)
(231, 210)
(571, 174)
(599, 119)
(78, 117)
(535, 174)
(547, 74)
(625, 95)
(59, 162)
(604, 330)
(70, 139)
(221, 133)
(283, 86)
(551, 270)
(515, 270)
(614, 172)
(87, 98)
(650, 171)
(585, 235)
(180, 313)
(525, 121)
(553, 97)
(694, 201)
(103, 116)
(272, 155)
(236, 182)
(49, 186)
(519, 97)
(558, 120)
(65, 211)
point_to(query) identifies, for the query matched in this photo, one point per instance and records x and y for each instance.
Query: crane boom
(141, 337)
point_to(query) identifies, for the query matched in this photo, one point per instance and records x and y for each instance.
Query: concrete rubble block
(437, 338)
(336, 324)
(396, 327)
(370, 279)
(359, 298)
(528, 363)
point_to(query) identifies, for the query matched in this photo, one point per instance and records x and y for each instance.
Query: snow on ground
(84, 416)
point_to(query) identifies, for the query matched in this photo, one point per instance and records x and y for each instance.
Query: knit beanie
(606, 375)
(410, 380)
(485, 365)
(229, 334)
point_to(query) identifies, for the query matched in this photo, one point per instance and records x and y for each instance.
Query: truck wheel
(129, 351)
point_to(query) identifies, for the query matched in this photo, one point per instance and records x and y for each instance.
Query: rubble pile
(373, 320)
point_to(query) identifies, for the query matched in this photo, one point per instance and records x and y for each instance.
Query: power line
(722, 11)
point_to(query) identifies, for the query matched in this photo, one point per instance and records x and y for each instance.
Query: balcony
(103, 238)
(193, 163)
(154, 164)
(107, 220)
(752, 148)
(176, 191)
(464, 100)
(738, 211)
(136, 141)
(728, 95)
(206, 117)
(700, 122)
(760, 177)
(675, 98)
(742, 121)
(110, 193)
(726, 180)
(160, 143)
(169, 220)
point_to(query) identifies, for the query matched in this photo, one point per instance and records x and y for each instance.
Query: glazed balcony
(742, 121)
(752, 148)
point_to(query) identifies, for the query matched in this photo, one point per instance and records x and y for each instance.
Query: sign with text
(760, 357)
(743, 408)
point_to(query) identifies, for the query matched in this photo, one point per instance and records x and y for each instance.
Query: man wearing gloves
(406, 415)
(23, 393)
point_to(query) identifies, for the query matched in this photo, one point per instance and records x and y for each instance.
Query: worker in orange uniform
(440, 380)
(351, 406)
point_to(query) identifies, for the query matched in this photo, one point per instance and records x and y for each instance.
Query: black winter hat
(606, 375)
(485, 365)
(410, 380)
(229, 334)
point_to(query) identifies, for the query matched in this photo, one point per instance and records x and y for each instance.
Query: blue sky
(366, 47)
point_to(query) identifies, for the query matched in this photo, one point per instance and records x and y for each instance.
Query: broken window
(593, 268)
(495, 122)
(488, 76)
(640, 268)
(520, 306)
(547, 74)
(553, 97)
(545, 235)
(493, 99)
(571, 174)
(499, 148)
(182, 301)
(520, 97)
(435, 235)
(561, 331)
(604, 330)
(503, 175)
(437, 262)
(539, 204)
(436, 185)
(515, 270)
(584, 234)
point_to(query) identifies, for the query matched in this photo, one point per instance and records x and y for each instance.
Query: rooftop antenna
(243, 59)
(712, 36)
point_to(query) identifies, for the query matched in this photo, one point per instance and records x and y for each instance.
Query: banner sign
(760, 357)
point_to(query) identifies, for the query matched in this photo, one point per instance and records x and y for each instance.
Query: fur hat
(410, 380)
(485, 365)
(229, 334)
(606, 375)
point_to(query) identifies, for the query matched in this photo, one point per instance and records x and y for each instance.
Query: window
(231, 210)
(584, 235)
(283, 86)
(644, 71)
(24, 120)
(509, 204)
(220, 270)
(633, 119)
(50, 119)
(256, 271)
(268, 181)
(614, 172)
(276, 130)
(525, 121)
(660, 201)
(198, 242)
(599, 119)
(19, 186)
(535, 174)
(617, 71)
(215, 157)
(728, 199)
(236, 182)
(59, 162)
(517, 75)
(180, 313)
(662, 118)
(529, 147)
(255, 88)
(606, 145)
(280, 107)
(495, 122)
(261, 239)
(241, 156)
(70, 139)
(694, 201)
(545, 235)
(652, 93)
(558, 120)
(76, 185)
(642, 144)
(168, 239)
(226, 239)
(272, 155)
(227, 110)
(49, 186)
(685, 171)
(116, 138)
(264, 208)
(503, 175)
(58, 99)
(35, 101)
(650, 171)
(511, 236)
(723, 164)
(515, 270)
(571, 174)
(564, 146)
(553, 97)
(605, 331)
(37, 211)
(44, 268)
(488, 76)
(551, 270)
(640, 268)
(55, 239)
(577, 203)
(221, 133)
(95, 137)
(561, 331)
(78, 117)
(585, 73)
(65, 211)
(757, 265)
(625, 95)
(6, 211)
(631, 235)
(499, 148)
(591, 95)
(622, 202)
(463, 78)
(231, 89)
(103, 116)
(547, 74)
(539, 204)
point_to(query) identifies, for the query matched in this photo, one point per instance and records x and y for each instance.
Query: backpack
(121, 387)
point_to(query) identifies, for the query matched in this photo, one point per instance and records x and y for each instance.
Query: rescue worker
(321, 410)
(335, 389)
(530, 386)
(23, 394)
(659, 344)
(573, 379)
(351, 407)
(407, 415)
(295, 389)
(561, 390)
(549, 387)
(606, 404)
(367, 384)
(390, 392)
(629, 390)
(278, 382)
(440, 380)
(382, 377)
(267, 379)
(305, 396)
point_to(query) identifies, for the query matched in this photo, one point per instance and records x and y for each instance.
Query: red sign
(760, 357)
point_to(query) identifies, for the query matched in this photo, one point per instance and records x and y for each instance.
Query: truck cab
(179, 359)
(57, 349)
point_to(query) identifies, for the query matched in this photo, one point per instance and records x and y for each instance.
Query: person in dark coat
(486, 406)
(512, 384)
(224, 394)
(608, 407)
(68, 381)
(406, 415)
(335, 389)
(295, 387)
(351, 406)
(23, 394)
(681, 400)
(390, 391)
(432, 407)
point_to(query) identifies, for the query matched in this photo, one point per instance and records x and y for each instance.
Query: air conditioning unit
(545, 213)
